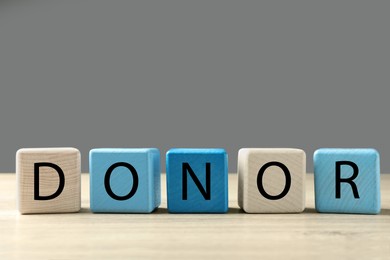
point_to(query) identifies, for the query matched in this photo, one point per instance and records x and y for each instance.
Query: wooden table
(161, 235)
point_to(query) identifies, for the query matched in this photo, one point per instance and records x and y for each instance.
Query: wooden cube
(197, 180)
(271, 180)
(125, 180)
(48, 180)
(347, 181)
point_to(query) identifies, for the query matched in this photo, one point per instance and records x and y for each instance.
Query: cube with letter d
(48, 180)
(347, 181)
(125, 180)
(197, 180)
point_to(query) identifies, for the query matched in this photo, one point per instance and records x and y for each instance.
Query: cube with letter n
(197, 180)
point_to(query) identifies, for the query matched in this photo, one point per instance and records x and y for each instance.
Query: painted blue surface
(197, 159)
(367, 181)
(146, 162)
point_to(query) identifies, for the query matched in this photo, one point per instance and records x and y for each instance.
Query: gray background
(230, 74)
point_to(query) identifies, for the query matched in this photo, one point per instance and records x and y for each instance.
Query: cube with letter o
(271, 180)
(125, 180)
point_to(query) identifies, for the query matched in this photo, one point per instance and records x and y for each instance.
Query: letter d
(36, 181)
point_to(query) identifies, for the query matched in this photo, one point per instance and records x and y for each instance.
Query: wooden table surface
(161, 235)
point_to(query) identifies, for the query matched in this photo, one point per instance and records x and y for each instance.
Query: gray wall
(164, 74)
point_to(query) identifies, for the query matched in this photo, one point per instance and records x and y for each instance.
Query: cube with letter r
(197, 180)
(125, 180)
(347, 181)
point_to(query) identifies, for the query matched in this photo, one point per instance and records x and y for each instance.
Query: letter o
(260, 180)
(108, 176)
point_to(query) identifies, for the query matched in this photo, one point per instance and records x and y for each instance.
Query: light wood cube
(271, 180)
(49, 180)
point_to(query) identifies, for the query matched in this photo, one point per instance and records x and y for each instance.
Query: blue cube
(197, 180)
(124, 180)
(347, 181)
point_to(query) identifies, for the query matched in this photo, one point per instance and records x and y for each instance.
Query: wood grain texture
(161, 235)
(359, 169)
(251, 160)
(68, 159)
(213, 199)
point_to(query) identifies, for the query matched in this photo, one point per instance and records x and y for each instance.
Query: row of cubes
(128, 180)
